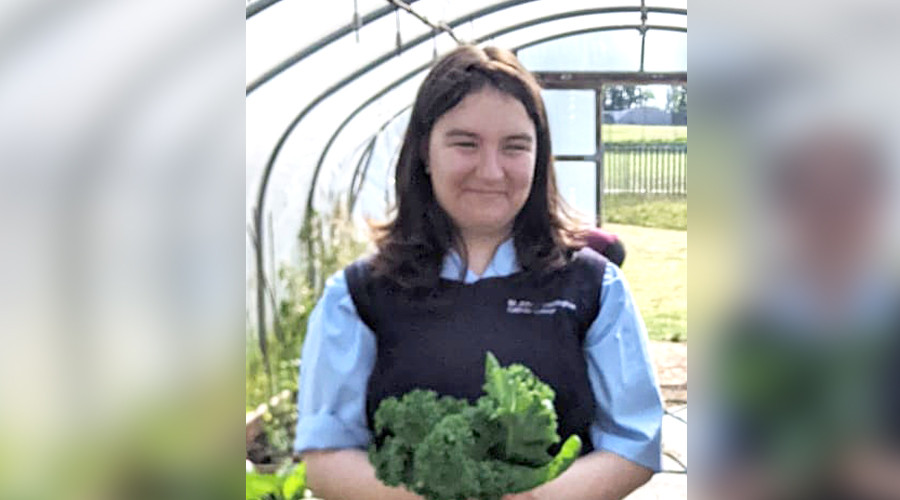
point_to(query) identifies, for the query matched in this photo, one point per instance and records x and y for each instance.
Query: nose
(490, 167)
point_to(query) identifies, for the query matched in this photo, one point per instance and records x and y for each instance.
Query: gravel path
(671, 368)
(670, 359)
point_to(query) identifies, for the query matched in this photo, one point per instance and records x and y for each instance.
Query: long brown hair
(411, 247)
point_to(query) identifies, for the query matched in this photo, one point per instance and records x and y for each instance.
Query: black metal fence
(646, 169)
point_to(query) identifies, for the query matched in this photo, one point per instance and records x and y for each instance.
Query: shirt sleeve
(629, 406)
(338, 356)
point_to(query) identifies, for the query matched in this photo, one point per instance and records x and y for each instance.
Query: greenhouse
(329, 90)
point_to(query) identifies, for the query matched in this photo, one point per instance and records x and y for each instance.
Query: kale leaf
(444, 448)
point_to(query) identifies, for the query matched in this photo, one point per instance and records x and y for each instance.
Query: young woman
(478, 257)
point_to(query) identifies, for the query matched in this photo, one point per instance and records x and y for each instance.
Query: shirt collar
(503, 263)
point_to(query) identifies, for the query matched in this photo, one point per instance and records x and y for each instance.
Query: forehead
(487, 112)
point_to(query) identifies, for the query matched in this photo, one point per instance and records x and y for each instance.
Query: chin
(487, 226)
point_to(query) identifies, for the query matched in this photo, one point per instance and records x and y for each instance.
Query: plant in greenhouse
(287, 484)
(444, 448)
(327, 244)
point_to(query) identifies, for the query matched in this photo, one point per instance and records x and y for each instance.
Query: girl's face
(481, 158)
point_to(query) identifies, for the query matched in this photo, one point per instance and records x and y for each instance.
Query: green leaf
(259, 485)
(523, 406)
(499, 478)
(443, 464)
(392, 461)
(412, 417)
(568, 453)
(295, 483)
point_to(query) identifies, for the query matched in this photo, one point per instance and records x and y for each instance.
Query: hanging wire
(399, 39)
(437, 26)
(434, 45)
(357, 21)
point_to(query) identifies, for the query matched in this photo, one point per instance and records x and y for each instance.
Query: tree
(677, 99)
(619, 97)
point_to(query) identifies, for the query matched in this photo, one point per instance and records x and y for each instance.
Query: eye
(518, 147)
(465, 145)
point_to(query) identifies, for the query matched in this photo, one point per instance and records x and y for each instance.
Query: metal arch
(589, 12)
(259, 6)
(347, 29)
(355, 181)
(557, 36)
(396, 83)
(310, 49)
(521, 47)
(260, 202)
(334, 88)
(385, 57)
(361, 176)
(526, 24)
(356, 74)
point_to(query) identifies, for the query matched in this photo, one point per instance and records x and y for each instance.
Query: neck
(480, 249)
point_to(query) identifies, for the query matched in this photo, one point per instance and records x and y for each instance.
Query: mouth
(486, 192)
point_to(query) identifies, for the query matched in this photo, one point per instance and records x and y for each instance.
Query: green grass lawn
(644, 133)
(656, 270)
(647, 211)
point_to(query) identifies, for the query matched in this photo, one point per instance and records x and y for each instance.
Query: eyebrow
(461, 133)
(519, 137)
(465, 133)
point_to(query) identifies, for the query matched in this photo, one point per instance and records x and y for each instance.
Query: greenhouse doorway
(631, 148)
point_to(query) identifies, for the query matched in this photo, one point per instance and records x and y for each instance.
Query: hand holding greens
(444, 448)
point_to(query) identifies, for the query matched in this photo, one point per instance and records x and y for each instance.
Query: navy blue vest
(438, 340)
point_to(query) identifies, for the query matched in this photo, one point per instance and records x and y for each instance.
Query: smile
(486, 192)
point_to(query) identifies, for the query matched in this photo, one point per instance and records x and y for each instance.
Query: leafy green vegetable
(505, 477)
(444, 448)
(420, 411)
(295, 483)
(287, 484)
(524, 407)
(259, 485)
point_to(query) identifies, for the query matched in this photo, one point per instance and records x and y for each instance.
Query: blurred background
(329, 92)
(794, 286)
(121, 311)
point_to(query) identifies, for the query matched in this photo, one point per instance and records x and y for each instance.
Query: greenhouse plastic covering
(328, 94)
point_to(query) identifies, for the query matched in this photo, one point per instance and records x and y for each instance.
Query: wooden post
(598, 178)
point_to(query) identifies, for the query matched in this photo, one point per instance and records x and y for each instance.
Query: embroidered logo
(527, 307)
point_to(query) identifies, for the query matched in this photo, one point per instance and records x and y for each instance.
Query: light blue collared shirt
(339, 353)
